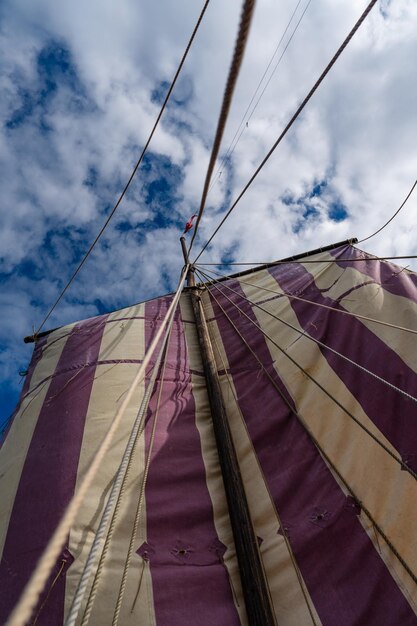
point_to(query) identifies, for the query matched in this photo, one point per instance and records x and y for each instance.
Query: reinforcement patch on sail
(319, 380)
(171, 558)
(320, 392)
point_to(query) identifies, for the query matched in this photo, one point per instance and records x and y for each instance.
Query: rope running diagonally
(371, 258)
(244, 425)
(233, 144)
(112, 505)
(139, 161)
(142, 492)
(45, 601)
(286, 540)
(143, 409)
(321, 450)
(292, 120)
(322, 306)
(392, 216)
(403, 465)
(24, 608)
(242, 37)
(323, 345)
(270, 78)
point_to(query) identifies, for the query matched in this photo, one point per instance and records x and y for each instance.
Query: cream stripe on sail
(373, 300)
(210, 457)
(377, 479)
(289, 604)
(15, 448)
(122, 339)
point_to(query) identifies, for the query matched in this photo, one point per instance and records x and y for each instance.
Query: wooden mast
(258, 602)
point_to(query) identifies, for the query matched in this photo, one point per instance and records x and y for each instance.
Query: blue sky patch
(318, 189)
(308, 207)
(54, 68)
(337, 212)
(160, 192)
(181, 95)
(159, 92)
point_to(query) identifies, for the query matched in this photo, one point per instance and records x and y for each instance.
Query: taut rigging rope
(142, 492)
(112, 505)
(321, 343)
(238, 135)
(322, 451)
(319, 304)
(392, 216)
(242, 37)
(336, 260)
(23, 610)
(396, 458)
(284, 534)
(292, 120)
(139, 161)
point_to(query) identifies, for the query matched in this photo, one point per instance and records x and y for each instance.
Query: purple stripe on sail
(347, 580)
(391, 412)
(190, 582)
(37, 353)
(49, 475)
(390, 276)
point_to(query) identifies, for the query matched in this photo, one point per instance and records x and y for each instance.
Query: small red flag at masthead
(189, 224)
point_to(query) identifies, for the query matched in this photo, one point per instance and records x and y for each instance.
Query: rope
(139, 161)
(371, 258)
(233, 145)
(323, 345)
(323, 306)
(392, 217)
(141, 495)
(287, 542)
(55, 580)
(292, 120)
(243, 422)
(403, 465)
(245, 21)
(23, 610)
(114, 500)
(137, 435)
(321, 450)
(139, 586)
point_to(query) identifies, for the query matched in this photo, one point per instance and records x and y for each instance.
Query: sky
(81, 85)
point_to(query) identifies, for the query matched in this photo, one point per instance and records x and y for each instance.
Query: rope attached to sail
(27, 602)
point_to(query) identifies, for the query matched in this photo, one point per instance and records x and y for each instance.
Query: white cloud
(68, 155)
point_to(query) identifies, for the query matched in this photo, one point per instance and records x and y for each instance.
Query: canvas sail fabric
(184, 569)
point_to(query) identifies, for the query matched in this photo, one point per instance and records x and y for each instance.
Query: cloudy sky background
(81, 86)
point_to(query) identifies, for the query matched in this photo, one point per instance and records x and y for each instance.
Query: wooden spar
(255, 590)
(190, 276)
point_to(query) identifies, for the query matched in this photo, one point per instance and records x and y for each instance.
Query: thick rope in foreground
(291, 121)
(27, 602)
(237, 135)
(114, 501)
(94, 588)
(245, 22)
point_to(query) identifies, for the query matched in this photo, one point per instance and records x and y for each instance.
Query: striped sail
(320, 401)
